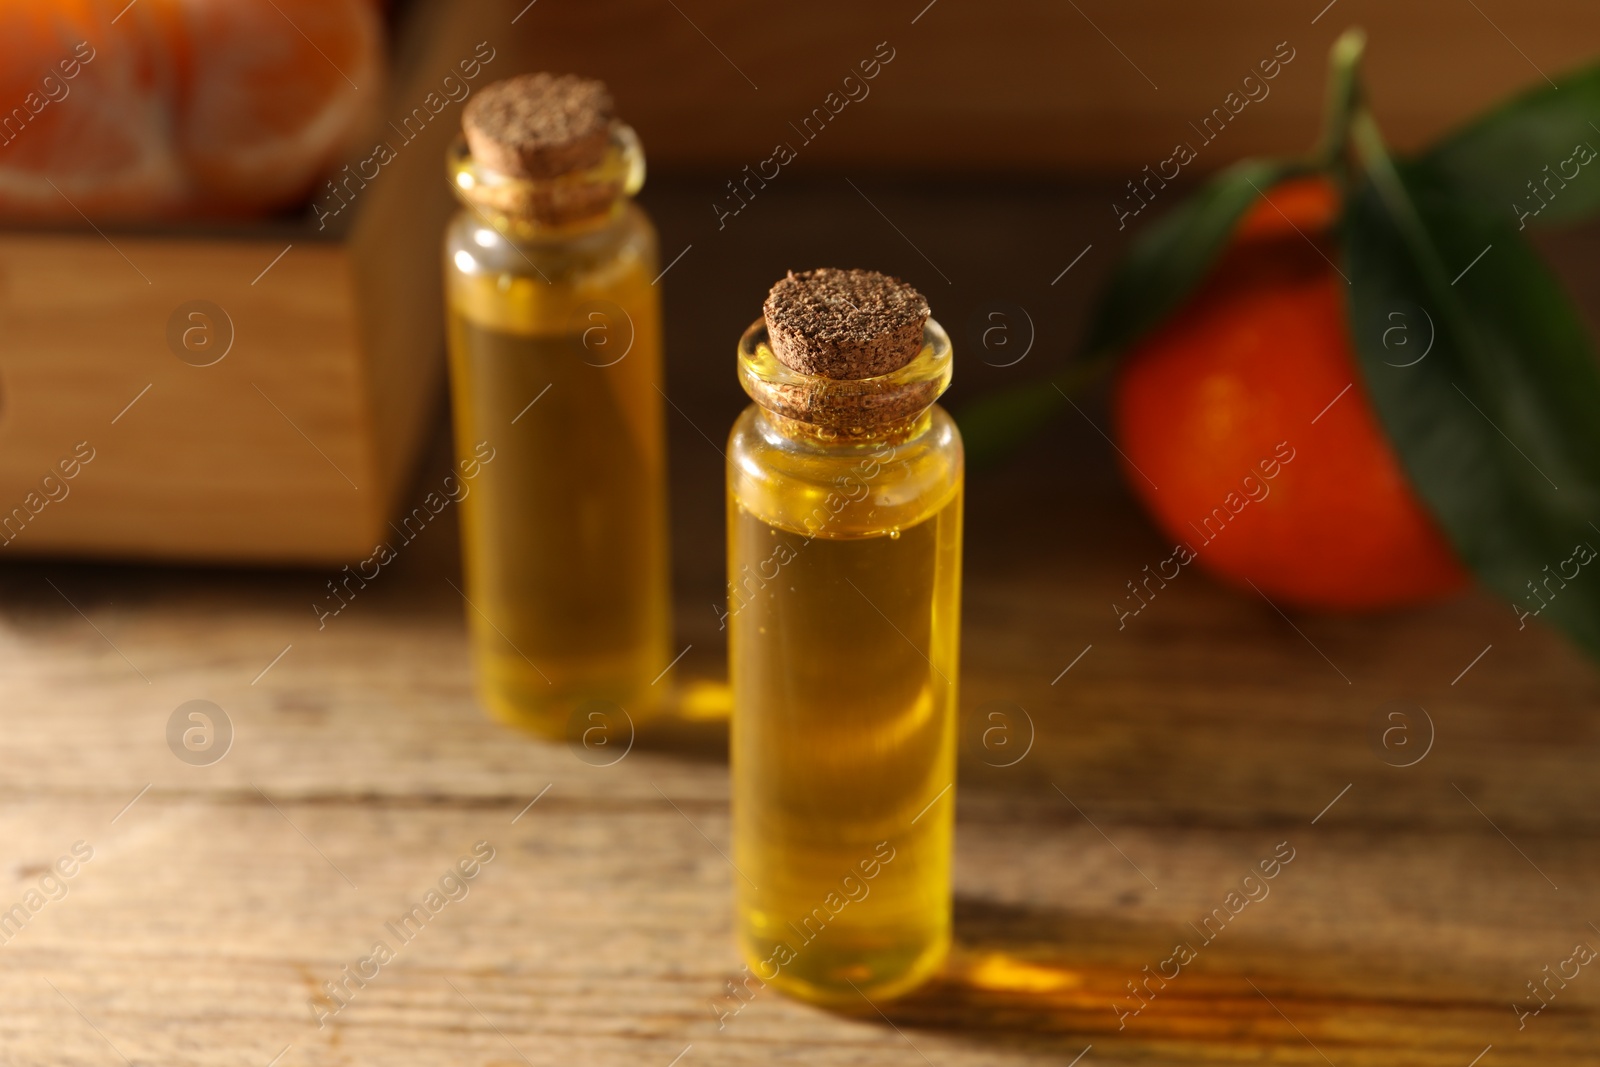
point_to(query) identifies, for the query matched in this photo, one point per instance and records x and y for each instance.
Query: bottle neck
(891, 407)
(567, 206)
(894, 432)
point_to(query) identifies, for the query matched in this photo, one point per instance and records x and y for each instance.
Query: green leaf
(1498, 423)
(1493, 160)
(1175, 253)
(997, 422)
(1165, 264)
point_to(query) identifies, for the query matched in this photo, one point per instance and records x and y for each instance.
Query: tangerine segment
(277, 89)
(146, 110)
(85, 110)
(1247, 409)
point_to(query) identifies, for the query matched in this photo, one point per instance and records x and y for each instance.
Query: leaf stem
(1344, 96)
(1379, 167)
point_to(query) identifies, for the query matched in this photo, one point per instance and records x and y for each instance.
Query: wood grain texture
(295, 446)
(202, 464)
(1190, 743)
(218, 903)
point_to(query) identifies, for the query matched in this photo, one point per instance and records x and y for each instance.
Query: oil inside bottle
(564, 534)
(843, 635)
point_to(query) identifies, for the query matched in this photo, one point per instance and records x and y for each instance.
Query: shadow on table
(694, 723)
(1049, 982)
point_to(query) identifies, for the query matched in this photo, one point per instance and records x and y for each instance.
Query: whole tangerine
(1247, 432)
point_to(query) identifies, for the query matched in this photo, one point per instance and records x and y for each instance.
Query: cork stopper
(844, 324)
(539, 125)
(845, 354)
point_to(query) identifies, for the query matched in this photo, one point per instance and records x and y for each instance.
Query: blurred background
(237, 347)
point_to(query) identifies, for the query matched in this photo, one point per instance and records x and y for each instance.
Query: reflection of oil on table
(1172, 758)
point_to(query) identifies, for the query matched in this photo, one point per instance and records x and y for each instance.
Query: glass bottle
(844, 560)
(555, 365)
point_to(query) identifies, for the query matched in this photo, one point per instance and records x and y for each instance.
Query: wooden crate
(296, 444)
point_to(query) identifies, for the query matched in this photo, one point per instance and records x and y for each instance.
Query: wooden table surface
(1178, 752)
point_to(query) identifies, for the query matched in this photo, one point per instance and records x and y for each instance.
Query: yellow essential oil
(844, 557)
(555, 365)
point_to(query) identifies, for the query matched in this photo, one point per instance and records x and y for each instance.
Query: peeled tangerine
(165, 107)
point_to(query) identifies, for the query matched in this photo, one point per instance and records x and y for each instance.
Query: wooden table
(1172, 757)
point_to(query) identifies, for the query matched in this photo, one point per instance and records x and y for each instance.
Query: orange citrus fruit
(276, 91)
(1248, 434)
(85, 111)
(162, 107)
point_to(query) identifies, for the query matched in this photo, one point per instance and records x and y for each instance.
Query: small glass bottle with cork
(555, 367)
(844, 575)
